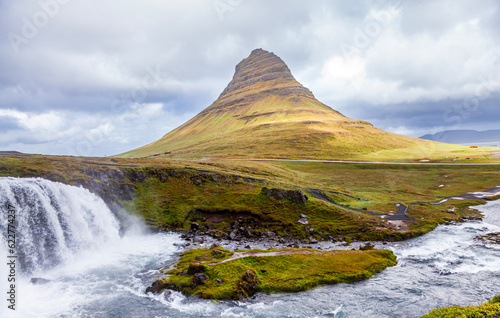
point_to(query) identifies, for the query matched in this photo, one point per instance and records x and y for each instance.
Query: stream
(68, 236)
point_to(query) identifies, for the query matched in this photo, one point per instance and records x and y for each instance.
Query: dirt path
(400, 215)
(365, 162)
(495, 154)
(238, 255)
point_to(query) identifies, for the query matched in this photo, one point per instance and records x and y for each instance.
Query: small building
(473, 146)
(167, 152)
(156, 154)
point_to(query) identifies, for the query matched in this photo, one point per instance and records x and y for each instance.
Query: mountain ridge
(264, 112)
(465, 136)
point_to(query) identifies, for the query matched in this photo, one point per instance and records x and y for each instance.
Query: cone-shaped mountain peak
(260, 75)
(268, 69)
(264, 112)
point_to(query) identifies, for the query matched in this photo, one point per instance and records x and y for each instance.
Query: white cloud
(63, 81)
(89, 134)
(402, 69)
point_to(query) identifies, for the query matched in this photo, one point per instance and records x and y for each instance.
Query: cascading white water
(53, 221)
(68, 236)
(101, 274)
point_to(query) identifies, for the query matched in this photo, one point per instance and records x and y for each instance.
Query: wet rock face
(296, 196)
(156, 287)
(247, 286)
(490, 238)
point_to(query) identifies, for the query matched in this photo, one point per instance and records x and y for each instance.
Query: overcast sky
(100, 78)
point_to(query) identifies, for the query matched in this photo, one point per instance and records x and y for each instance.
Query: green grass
(489, 309)
(175, 202)
(301, 270)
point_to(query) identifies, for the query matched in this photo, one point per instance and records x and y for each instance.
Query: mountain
(264, 112)
(465, 136)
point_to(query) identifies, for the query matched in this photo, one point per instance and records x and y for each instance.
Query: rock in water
(156, 287)
(167, 294)
(198, 239)
(490, 238)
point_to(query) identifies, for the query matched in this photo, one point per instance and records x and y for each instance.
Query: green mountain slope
(265, 113)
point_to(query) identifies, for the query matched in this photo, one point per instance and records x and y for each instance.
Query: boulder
(195, 267)
(161, 174)
(248, 232)
(167, 294)
(196, 180)
(232, 236)
(198, 279)
(217, 251)
(156, 287)
(296, 196)
(303, 221)
(173, 173)
(137, 176)
(490, 238)
(247, 286)
(195, 225)
(367, 247)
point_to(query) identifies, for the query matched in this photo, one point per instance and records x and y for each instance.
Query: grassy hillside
(265, 113)
(172, 194)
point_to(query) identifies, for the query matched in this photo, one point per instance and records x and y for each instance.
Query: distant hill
(465, 136)
(265, 113)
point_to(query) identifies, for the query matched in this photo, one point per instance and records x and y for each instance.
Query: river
(106, 276)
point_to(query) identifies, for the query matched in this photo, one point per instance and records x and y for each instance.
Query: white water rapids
(67, 235)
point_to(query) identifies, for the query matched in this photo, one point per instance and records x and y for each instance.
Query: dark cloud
(7, 124)
(116, 67)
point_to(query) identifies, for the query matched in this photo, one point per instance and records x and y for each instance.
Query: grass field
(194, 193)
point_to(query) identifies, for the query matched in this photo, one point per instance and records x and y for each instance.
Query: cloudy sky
(101, 78)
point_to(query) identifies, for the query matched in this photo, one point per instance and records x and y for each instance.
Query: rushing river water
(106, 277)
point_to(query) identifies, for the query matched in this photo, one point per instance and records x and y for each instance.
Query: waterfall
(53, 221)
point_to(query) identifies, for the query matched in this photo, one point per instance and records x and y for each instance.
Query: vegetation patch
(489, 309)
(217, 273)
(215, 194)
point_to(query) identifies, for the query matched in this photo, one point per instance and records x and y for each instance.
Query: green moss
(489, 309)
(282, 270)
